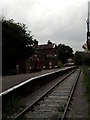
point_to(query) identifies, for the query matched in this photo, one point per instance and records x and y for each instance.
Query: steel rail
(70, 96)
(28, 108)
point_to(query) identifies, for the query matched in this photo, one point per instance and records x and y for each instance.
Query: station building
(44, 57)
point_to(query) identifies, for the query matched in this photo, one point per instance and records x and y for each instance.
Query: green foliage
(79, 58)
(61, 109)
(86, 77)
(60, 64)
(12, 106)
(86, 80)
(16, 43)
(64, 52)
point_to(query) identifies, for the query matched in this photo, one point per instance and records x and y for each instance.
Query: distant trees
(81, 58)
(16, 43)
(64, 52)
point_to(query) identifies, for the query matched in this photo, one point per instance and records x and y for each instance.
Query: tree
(81, 58)
(64, 52)
(16, 43)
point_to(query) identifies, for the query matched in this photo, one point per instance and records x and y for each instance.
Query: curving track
(54, 103)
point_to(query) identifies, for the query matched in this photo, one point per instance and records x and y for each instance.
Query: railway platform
(13, 80)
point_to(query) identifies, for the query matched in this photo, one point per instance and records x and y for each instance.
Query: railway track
(55, 102)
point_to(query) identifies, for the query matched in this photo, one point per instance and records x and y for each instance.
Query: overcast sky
(60, 21)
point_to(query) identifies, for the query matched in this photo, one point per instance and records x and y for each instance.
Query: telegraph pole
(86, 46)
(88, 32)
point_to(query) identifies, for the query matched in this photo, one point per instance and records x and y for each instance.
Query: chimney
(35, 43)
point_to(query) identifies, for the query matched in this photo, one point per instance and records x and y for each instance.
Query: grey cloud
(68, 27)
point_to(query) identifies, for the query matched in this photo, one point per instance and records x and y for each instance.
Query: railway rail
(54, 103)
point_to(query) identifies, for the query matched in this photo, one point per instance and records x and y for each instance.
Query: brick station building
(45, 53)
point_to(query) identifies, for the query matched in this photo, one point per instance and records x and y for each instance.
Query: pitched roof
(45, 46)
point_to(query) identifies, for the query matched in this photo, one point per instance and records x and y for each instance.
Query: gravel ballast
(79, 104)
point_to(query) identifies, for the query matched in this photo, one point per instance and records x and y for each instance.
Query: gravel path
(79, 104)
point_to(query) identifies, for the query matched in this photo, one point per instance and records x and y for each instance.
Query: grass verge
(86, 76)
(11, 107)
